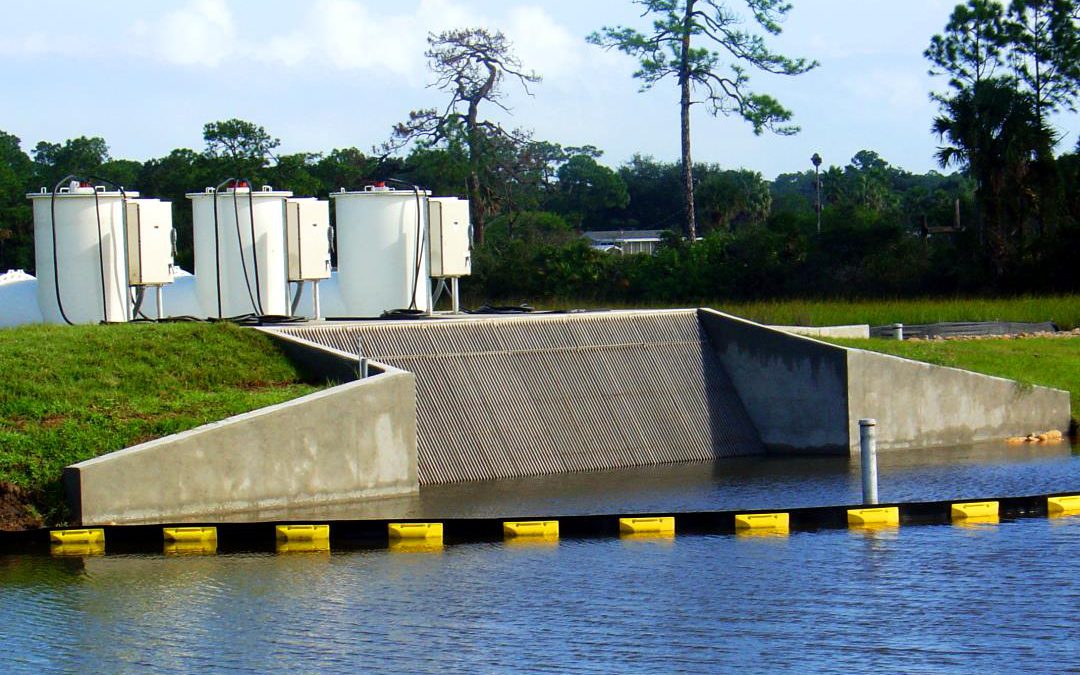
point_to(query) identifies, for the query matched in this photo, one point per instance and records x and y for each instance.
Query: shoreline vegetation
(69, 393)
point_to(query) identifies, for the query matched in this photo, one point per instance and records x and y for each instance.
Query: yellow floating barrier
(755, 521)
(301, 533)
(547, 529)
(655, 525)
(189, 535)
(86, 536)
(303, 546)
(882, 515)
(204, 547)
(97, 548)
(431, 545)
(965, 510)
(415, 530)
(540, 541)
(1066, 505)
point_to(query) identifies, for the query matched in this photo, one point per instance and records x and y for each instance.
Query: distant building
(625, 241)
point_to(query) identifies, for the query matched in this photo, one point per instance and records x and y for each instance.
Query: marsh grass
(1064, 310)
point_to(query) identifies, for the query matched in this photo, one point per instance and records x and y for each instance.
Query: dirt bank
(15, 510)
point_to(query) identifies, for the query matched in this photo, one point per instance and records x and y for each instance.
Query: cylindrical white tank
(80, 263)
(382, 250)
(253, 274)
(18, 299)
(178, 298)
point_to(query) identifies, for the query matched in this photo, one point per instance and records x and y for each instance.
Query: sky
(323, 74)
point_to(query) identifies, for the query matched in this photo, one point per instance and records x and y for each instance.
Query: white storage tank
(253, 270)
(90, 267)
(382, 250)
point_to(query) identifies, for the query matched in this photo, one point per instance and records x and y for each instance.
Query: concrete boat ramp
(476, 398)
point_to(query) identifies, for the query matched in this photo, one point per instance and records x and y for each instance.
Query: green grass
(1064, 310)
(70, 393)
(1051, 362)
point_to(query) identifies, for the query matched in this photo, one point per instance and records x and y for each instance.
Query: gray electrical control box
(307, 228)
(149, 242)
(449, 230)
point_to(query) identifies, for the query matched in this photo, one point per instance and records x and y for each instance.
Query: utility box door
(307, 224)
(448, 220)
(149, 242)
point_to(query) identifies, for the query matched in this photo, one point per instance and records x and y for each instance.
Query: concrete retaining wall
(922, 405)
(808, 396)
(794, 388)
(350, 442)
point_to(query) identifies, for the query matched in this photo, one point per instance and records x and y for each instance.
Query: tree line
(1006, 220)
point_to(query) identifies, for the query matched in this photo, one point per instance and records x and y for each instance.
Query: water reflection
(978, 471)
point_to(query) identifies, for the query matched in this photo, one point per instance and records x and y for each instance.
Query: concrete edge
(315, 360)
(852, 331)
(242, 417)
(938, 366)
(773, 329)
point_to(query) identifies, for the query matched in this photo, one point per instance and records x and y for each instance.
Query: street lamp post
(816, 161)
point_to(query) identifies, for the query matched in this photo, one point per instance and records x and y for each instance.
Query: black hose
(101, 242)
(101, 260)
(56, 267)
(217, 252)
(240, 245)
(254, 248)
(124, 247)
(421, 239)
(255, 306)
(296, 298)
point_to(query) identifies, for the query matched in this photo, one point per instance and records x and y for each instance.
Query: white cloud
(544, 45)
(200, 34)
(343, 35)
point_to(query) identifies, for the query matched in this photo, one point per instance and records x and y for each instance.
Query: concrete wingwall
(350, 442)
(808, 396)
(922, 405)
(794, 388)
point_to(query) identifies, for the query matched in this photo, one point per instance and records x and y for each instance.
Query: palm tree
(993, 131)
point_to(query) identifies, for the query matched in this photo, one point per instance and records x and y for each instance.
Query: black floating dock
(368, 534)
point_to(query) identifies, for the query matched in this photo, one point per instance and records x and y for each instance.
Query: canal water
(993, 598)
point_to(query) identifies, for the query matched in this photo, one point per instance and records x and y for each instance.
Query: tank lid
(241, 190)
(379, 190)
(82, 191)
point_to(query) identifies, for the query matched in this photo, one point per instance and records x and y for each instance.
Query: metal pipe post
(898, 331)
(455, 298)
(315, 300)
(159, 297)
(868, 454)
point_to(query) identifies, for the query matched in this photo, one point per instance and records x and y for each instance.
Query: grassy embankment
(1064, 310)
(69, 393)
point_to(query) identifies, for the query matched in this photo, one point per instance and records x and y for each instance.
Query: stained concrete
(794, 388)
(354, 441)
(922, 405)
(808, 396)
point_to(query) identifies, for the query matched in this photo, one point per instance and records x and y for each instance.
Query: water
(973, 472)
(997, 598)
(918, 599)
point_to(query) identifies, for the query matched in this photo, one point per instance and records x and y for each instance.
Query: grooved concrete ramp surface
(524, 396)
